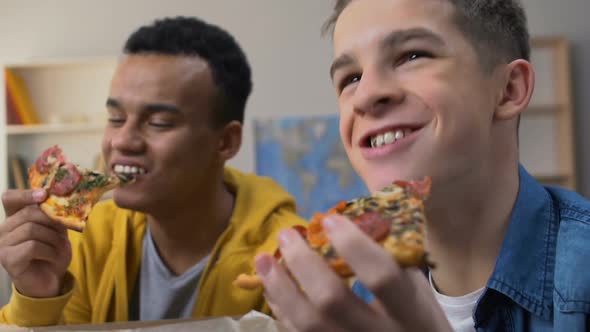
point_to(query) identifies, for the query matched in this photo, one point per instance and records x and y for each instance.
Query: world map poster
(306, 157)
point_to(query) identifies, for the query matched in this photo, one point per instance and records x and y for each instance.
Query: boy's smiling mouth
(387, 140)
(126, 169)
(128, 172)
(387, 136)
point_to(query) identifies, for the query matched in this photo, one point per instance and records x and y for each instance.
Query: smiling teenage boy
(449, 80)
(170, 244)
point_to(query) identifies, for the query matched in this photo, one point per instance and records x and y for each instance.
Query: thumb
(39, 195)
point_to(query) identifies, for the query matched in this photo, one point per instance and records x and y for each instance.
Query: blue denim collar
(524, 268)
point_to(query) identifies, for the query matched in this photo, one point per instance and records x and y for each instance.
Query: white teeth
(126, 169)
(389, 137)
(379, 140)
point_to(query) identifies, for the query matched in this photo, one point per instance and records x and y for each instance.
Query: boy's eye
(346, 81)
(412, 56)
(159, 121)
(159, 124)
(116, 121)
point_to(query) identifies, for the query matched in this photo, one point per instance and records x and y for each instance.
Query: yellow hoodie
(106, 259)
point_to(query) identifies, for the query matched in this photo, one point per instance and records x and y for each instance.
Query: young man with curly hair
(170, 244)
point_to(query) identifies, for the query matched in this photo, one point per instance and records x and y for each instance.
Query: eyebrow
(397, 38)
(150, 108)
(341, 61)
(392, 40)
(158, 107)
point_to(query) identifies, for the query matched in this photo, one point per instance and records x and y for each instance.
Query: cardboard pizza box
(252, 322)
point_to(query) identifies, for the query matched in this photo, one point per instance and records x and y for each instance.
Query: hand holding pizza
(34, 250)
(310, 296)
(34, 246)
(393, 217)
(380, 240)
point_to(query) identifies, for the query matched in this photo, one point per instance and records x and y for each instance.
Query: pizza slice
(393, 217)
(41, 172)
(72, 191)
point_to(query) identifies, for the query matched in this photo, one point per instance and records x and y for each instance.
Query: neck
(467, 220)
(189, 233)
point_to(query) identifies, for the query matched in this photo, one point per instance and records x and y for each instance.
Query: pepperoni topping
(420, 188)
(373, 224)
(49, 158)
(66, 180)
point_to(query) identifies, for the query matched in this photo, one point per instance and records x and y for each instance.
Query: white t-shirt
(459, 310)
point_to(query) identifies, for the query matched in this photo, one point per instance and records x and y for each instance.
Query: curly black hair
(189, 36)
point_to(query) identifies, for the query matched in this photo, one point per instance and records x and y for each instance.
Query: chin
(375, 182)
(127, 201)
(377, 185)
(379, 179)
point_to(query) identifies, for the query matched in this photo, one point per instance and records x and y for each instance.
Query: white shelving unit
(53, 128)
(69, 97)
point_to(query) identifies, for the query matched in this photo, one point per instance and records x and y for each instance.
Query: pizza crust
(55, 206)
(70, 222)
(405, 255)
(245, 281)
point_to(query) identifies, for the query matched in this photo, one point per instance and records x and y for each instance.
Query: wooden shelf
(561, 180)
(546, 136)
(53, 128)
(60, 62)
(552, 177)
(544, 109)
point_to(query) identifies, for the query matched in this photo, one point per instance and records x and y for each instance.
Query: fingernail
(286, 237)
(263, 264)
(39, 195)
(330, 224)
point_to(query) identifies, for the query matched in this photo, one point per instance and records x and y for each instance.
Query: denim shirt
(541, 280)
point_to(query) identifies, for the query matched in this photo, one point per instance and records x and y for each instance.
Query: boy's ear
(230, 140)
(518, 86)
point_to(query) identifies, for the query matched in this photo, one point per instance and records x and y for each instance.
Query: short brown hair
(497, 29)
